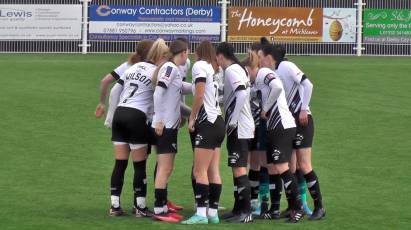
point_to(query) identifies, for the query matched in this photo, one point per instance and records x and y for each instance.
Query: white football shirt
(234, 77)
(204, 72)
(279, 112)
(137, 89)
(291, 77)
(120, 70)
(168, 109)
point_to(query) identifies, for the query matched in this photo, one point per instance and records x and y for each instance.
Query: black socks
(202, 191)
(314, 188)
(214, 195)
(254, 178)
(291, 188)
(244, 193)
(117, 177)
(140, 183)
(276, 187)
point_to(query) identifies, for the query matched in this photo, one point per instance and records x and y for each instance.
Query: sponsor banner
(280, 24)
(387, 26)
(40, 22)
(129, 23)
(339, 24)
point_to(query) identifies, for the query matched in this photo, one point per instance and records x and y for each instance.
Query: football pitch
(56, 157)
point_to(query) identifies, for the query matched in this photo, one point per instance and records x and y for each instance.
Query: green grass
(56, 158)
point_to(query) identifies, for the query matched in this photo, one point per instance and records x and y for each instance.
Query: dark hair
(256, 46)
(276, 51)
(183, 39)
(206, 52)
(177, 47)
(142, 49)
(264, 41)
(227, 50)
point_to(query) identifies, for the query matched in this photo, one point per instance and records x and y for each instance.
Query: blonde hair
(251, 60)
(158, 50)
(176, 47)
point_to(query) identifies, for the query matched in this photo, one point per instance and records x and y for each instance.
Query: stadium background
(56, 158)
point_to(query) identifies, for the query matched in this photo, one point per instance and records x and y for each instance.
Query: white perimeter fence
(361, 42)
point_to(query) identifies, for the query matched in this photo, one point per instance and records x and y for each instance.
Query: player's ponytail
(256, 46)
(142, 50)
(264, 41)
(251, 60)
(157, 53)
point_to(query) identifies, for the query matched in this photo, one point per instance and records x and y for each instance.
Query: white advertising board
(40, 22)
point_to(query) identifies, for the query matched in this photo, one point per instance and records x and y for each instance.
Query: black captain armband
(269, 78)
(115, 75)
(162, 84)
(200, 79)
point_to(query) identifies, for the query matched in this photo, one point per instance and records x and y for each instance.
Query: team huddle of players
(267, 123)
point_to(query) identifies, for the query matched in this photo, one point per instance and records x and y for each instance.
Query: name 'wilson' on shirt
(139, 77)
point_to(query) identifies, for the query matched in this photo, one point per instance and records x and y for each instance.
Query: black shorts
(259, 142)
(130, 126)
(207, 135)
(237, 150)
(166, 143)
(280, 144)
(305, 134)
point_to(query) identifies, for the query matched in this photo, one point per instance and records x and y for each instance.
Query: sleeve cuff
(201, 79)
(115, 75)
(162, 84)
(240, 87)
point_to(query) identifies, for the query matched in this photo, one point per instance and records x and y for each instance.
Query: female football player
(298, 89)
(239, 127)
(258, 174)
(207, 134)
(131, 99)
(280, 133)
(166, 121)
(114, 76)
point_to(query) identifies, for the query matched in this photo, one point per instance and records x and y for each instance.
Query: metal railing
(381, 49)
(294, 48)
